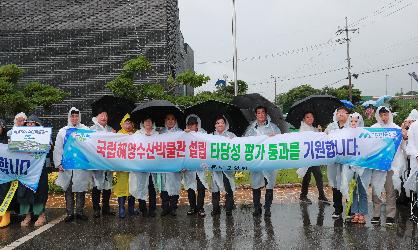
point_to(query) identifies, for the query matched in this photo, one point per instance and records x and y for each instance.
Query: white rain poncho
(255, 129)
(80, 179)
(412, 151)
(102, 180)
(398, 165)
(303, 128)
(349, 171)
(171, 181)
(189, 177)
(334, 170)
(413, 115)
(138, 181)
(217, 176)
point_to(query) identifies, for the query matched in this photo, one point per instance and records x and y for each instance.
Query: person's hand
(187, 130)
(113, 131)
(319, 128)
(60, 169)
(405, 134)
(183, 170)
(272, 134)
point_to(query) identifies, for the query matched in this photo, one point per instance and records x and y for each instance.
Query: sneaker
(82, 217)
(324, 201)
(69, 218)
(390, 221)
(305, 200)
(201, 213)
(192, 211)
(375, 220)
(336, 215)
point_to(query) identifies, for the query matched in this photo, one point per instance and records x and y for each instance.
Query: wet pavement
(292, 226)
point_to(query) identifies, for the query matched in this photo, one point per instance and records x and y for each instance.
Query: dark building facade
(80, 45)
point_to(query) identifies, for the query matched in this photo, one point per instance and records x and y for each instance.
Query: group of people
(144, 187)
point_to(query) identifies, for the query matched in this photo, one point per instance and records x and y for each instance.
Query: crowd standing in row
(145, 186)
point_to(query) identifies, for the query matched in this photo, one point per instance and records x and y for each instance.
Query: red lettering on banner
(159, 148)
(197, 150)
(140, 151)
(181, 149)
(150, 152)
(170, 150)
(111, 150)
(101, 149)
(131, 151)
(121, 153)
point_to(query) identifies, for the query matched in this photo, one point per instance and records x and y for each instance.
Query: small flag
(414, 75)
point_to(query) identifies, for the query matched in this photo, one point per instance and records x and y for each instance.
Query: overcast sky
(388, 35)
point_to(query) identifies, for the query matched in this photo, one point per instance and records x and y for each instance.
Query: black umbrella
(208, 111)
(249, 102)
(157, 110)
(322, 107)
(116, 108)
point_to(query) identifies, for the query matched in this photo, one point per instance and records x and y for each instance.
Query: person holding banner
(121, 188)
(171, 189)
(4, 188)
(71, 181)
(262, 126)
(334, 171)
(195, 180)
(389, 180)
(222, 180)
(29, 201)
(305, 173)
(142, 184)
(357, 195)
(102, 180)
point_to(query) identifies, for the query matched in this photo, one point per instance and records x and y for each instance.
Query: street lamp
(275, 87)
(234, 41)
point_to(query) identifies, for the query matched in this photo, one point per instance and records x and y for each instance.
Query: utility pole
(347, 41)
(411, 84)
(387, 83)
(275, 88)
(234, 40)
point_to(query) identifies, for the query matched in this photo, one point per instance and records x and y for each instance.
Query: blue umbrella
(347, 104)
(368, 103)
(383, 99)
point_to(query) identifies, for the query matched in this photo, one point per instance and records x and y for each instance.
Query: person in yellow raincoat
(121, 188)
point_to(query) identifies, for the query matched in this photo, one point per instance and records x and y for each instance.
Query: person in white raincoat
(409, 175)
(222, 180)
(19, 121)
(340, 121)
(305, 173)
(262, 126)
(142, 184)
(389, 180)
(195, 180)
(102, 180)
(71, 181)
(170, 193)
(362, 176)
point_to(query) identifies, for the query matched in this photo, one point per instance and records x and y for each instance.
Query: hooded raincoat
(348, 171)
(80, 179)
(334, 170)
(255, 129)
(189, 177)
(303, 128)
(102, 180)
(138, 181)
(412, 151)
(171, 181)
(398, 165)
(121, 188)
(217, 176)
(21, 114)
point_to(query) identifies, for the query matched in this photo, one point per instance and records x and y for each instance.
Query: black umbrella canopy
(157, 110)
(249, 102)
(209, 110)
(322, 107)
(116, 108)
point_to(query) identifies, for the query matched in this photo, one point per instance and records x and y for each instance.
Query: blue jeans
(359, 199)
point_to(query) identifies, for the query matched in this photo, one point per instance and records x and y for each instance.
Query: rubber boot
(216, 197)
(131, 206)
(268, 201)
(143, 208)
(174, 199)
(191, 195)
(229, 203)
(121, 203)
(165, 203)
(256, 201)
(105, 202)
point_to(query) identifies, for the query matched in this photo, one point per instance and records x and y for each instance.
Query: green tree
(229, 89)
(342, 93)
(15, 98)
